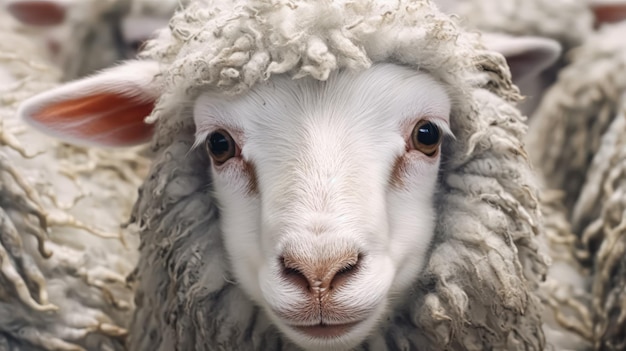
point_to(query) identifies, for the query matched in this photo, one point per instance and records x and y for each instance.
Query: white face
(326, 194)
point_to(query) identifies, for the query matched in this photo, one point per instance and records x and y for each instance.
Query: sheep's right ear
(38, 12)
(106, 109)
(526, 55)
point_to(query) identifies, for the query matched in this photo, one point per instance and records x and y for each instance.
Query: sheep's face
(326, 194)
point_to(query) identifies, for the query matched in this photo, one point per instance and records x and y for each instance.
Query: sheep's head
(325, 188)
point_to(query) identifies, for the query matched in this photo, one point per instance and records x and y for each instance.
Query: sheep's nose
(320, 274)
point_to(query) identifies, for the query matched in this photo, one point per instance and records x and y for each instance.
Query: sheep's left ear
(526, 55)
(106, 109)
(38, 12)
(609, 11)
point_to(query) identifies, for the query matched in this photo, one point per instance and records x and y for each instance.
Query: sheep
(212, 273)
(80, 38)
(599, 215)
(583, 116)
(568, 317)
(63, 287)
(533, 35)
(577, 111)
(85, 36)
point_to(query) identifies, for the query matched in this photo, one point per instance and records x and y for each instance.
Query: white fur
(324, 153)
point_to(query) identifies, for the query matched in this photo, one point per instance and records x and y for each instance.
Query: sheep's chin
(345, 339)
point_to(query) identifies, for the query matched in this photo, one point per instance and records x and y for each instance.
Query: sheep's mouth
(326, 331)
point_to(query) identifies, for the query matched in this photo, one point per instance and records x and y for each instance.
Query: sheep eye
(426, 138)
(221, 146)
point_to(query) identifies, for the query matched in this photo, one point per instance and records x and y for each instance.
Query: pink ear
(609, 11)
(38, 12)
(106, 109)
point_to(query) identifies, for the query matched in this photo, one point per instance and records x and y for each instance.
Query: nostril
(293, 274)
(345, 270)
(349, 268)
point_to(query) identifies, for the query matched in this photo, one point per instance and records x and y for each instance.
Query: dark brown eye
(426, 138)
(221, 146)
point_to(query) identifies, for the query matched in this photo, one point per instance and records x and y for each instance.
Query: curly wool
(478, 290)
(568, 318)
(600, 215)
(62, 287)
(577, 111)
(586, 159)
(226, 46)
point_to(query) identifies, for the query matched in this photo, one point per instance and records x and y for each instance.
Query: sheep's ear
(38, 12)
(106, 109)
(609, 11)
(526, 55)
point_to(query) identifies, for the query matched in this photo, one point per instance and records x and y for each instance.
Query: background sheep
(590, 129)
(62, 286)
(600, 215)
(582, 115)
(577, 111)
(487, 209)
(529, 34)
(83, 36)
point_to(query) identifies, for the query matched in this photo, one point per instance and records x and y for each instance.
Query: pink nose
(321, 274)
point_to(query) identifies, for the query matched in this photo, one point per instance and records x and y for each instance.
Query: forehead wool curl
(231, 45)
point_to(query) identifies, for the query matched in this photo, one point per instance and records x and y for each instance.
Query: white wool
(582, 117)
(62, 286)
(577, 110)
(206, 48)
(600, 217)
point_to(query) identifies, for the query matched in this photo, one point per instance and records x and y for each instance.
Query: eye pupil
(218, 143)
(428, 134)
(426, 138)
(221, 146)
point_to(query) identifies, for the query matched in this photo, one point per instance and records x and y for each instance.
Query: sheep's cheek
(238, 175)
(411, 167)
